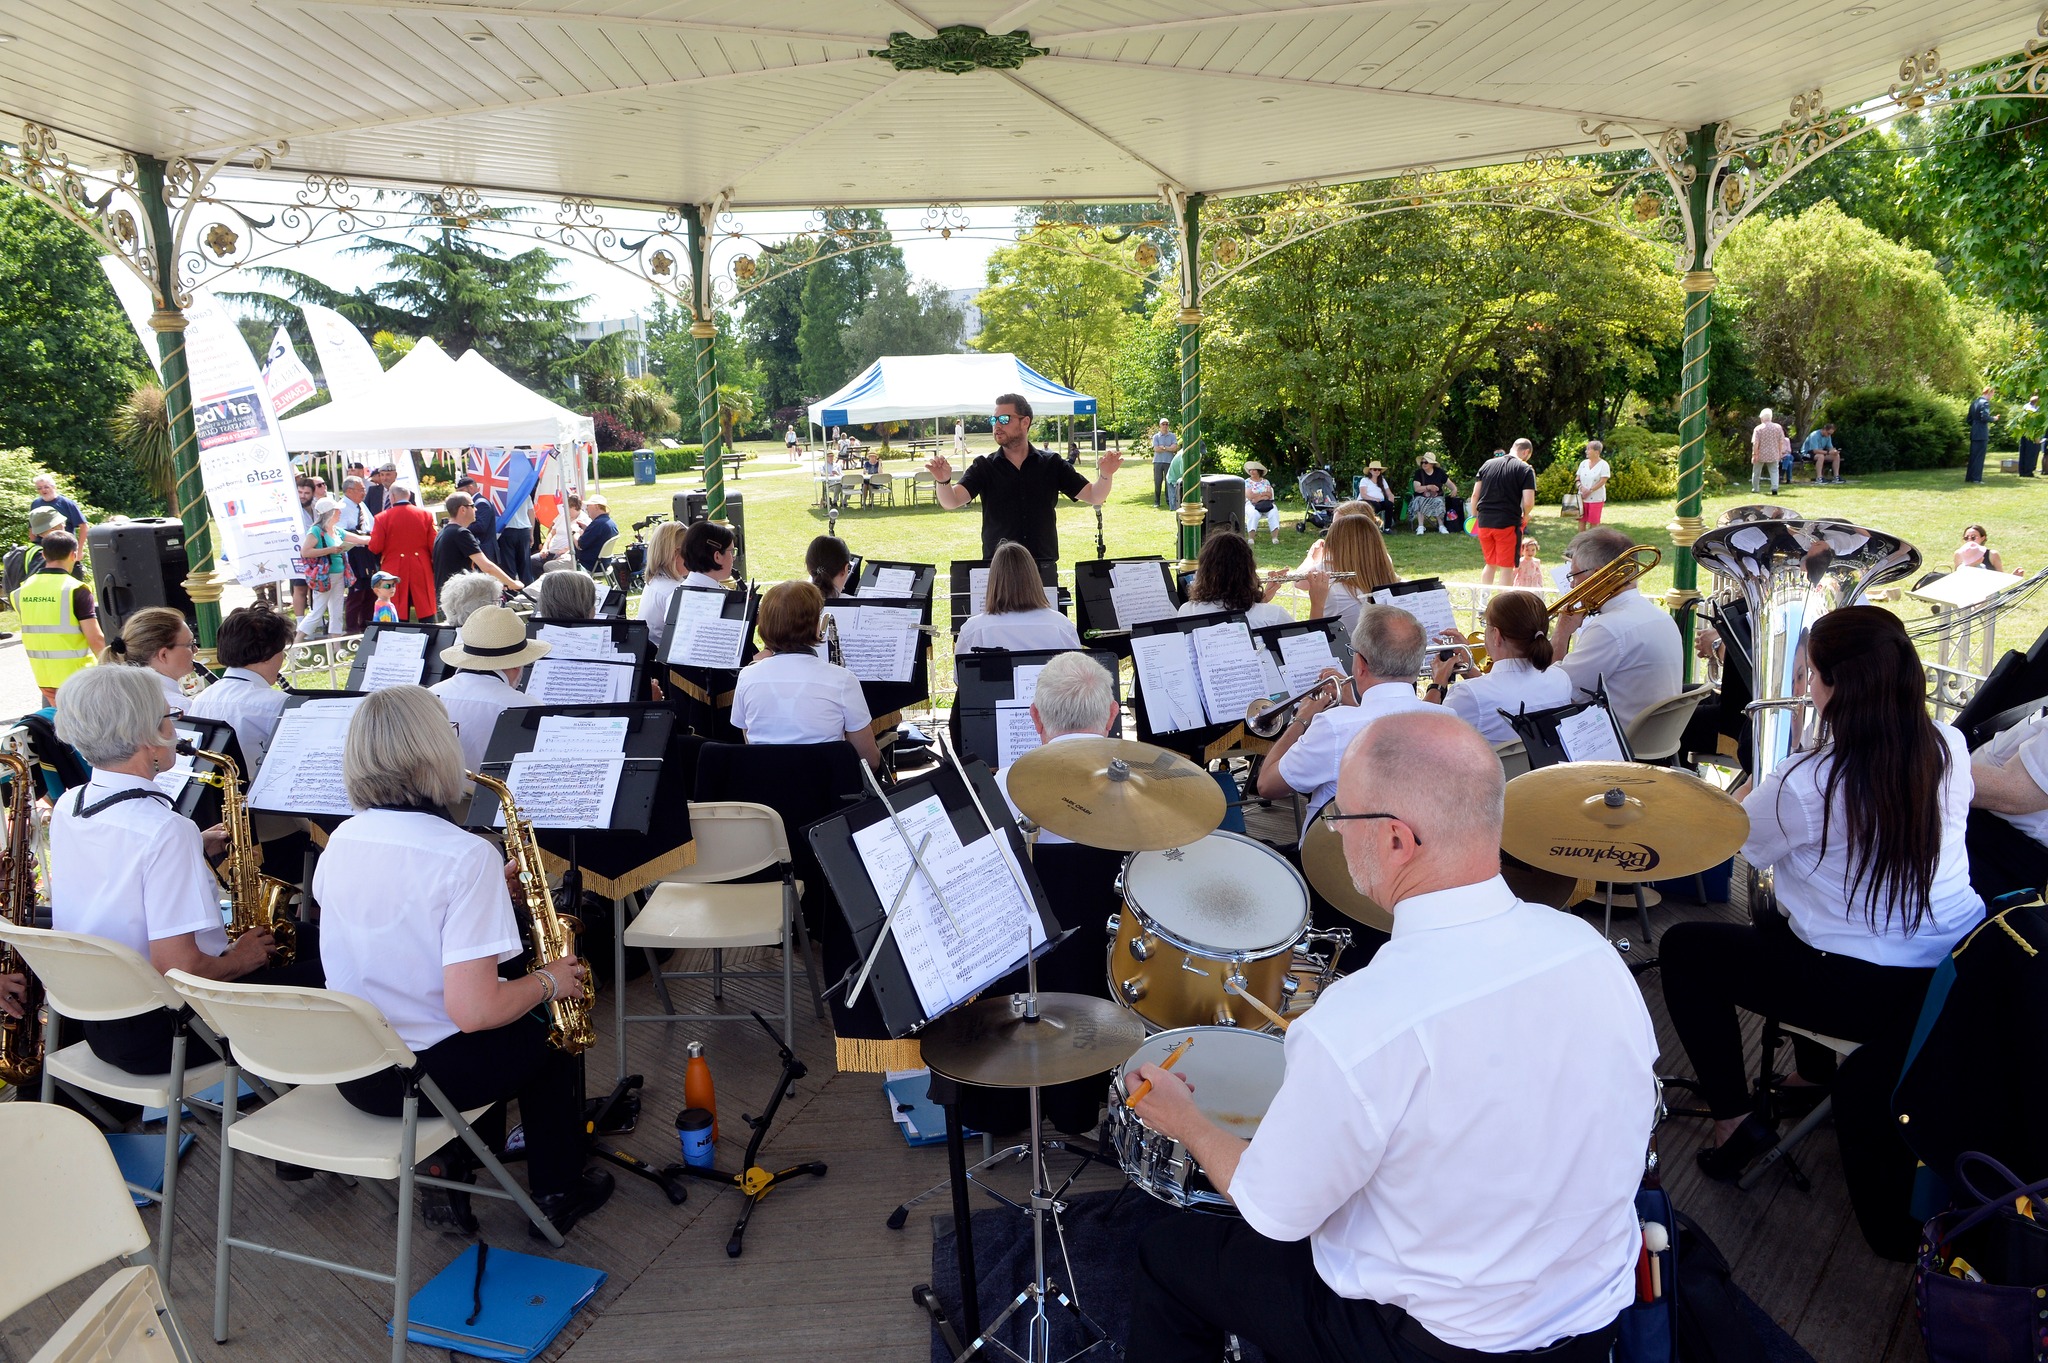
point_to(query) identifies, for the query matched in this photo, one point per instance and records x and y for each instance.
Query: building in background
(633, 359)
(970, 315)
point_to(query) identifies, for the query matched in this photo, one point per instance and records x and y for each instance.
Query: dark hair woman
(1865, 835)
(1518, 642)
(1227, 579)
(827, 562)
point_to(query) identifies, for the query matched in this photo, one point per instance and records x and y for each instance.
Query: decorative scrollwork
(1921, 74)
(2027, 74)
(103, 200)
(649, 255)
(958, 49)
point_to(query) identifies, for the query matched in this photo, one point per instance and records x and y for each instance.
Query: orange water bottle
(697, 1084)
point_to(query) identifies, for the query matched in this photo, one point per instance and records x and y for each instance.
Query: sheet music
(1303, 659)
(1015, 733)
(702, 636)
(1024, 682)
(1166, 678)
(977, 589)
(893, 582)
(563, 792)
(1138, 593)
(567, 641)
(878, 643)
(1228, 668)
(1431, 609)
(582, 735)
(301, 771)
(584, 680)
(1588, 736)
(400, 660)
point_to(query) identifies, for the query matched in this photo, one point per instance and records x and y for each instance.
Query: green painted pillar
(1692, 394)
(168, 321)
(703, 338)
(1189, 329)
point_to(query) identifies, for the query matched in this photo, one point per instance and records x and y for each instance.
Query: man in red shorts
(1503, 494)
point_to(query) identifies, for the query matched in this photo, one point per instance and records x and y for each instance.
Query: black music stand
(1095, 612)
(962, 577)
(199, 801)
(704, 692)
(1538, 730)
(434, 670)
(1331, 626)
(984, 677)
(628, 640)
(1197, 742)
(887, 697)
(867, 574)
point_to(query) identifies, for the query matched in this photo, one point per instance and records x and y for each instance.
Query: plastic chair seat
(315, 1126)
(77, 1065)
(125, 1320)
(710, 916)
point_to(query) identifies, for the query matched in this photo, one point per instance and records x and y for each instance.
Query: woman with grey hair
(462, 594)
(565, 593)
(429, 958)
(126, 866)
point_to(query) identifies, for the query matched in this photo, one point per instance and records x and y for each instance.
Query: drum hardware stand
(1088, 1150)
(756, 1183)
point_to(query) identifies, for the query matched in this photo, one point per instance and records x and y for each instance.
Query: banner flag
(285, 376)
(506, 476)
(346, 359)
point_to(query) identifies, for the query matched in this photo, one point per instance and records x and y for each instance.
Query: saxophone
(21, 1039)
(551, 935)
(257, 900)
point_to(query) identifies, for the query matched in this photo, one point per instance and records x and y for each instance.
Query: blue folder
(527, 1301)
(142, 1160)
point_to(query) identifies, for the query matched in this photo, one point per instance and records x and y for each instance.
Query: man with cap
(402, 538)
(482, 684)
(1165, 445)
(457, 549)
(24, 561)
(1258, 501)
(601, 531)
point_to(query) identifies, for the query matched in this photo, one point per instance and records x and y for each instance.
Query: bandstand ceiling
(779, 103)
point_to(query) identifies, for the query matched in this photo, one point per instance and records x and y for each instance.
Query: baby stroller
(1318, 499)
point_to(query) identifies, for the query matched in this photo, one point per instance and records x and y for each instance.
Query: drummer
(1437, 1176)
(1075, 697)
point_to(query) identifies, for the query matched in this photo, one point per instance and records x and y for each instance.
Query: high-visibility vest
(56, 646)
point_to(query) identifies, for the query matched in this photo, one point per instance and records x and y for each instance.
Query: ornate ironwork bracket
(958, 49)
(103, 201)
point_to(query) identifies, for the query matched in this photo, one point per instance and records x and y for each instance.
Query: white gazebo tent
(909, 387)
(428, 401)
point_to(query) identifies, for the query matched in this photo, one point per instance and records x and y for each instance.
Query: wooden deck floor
(822, 1273)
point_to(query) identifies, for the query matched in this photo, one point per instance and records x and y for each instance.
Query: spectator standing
(1529, 568)
(1258, 501)
(515, 538)
(1504, 494)
(62, 637)
(485, 526)
(301, 595)
(402, 537)
(456, 547)
(960, 439)
(1165, 445)
(1767, 445)
(378, 495)
(1593, 474)
(1820, 444)
(600, 531)
(789, 443)
(48, 496)
(356, 519)
(2031, 425)
(1980, 419)
(327, 572)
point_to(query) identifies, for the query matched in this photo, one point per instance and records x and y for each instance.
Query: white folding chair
(69, 1211)
(1514, 758)
(91, 979)
(1656, 733)
(316, 1039)
(1811, 1121)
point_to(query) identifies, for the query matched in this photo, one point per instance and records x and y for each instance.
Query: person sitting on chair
(465, 593)
(158, 640)
(1015, 613)
(564, 593)
(1227, 579)
(666, 571)
(1522, 676)
(1354, 546)
(252, 641)
(1371, 1223)
(1630, 646)
(828, 565)
(2008, 832)
(1865, 835)
(126, 866)
(483, 680)
(1259, 503)
(791, 695)
(429, 957)
(1075, 698)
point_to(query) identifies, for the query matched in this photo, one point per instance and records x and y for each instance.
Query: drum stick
(1138, 1096)
(1231, 986)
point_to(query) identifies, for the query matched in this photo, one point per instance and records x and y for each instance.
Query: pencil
(1172, 1056)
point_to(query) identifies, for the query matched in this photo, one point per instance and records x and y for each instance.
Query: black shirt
(1431, 480)
(453, 549)
(1018, 503)
(1501, 482)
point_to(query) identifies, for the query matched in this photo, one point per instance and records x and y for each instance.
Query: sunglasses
(1004, 418)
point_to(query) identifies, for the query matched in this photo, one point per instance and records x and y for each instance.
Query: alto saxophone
(256, 900)
(21, 1039)
(551, 935)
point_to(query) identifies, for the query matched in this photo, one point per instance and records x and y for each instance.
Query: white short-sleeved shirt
(1343, 603)
(1461, 1130)
(797, 698)
(1310, 765)
(390, 948)
(1786, 818)
(2026, 743)
(1018, 631)
(1632, 647)
(654, 600)
(1591, 471)
(174, 692)
(1513, 685)
(1261, 614)
(1046, 837)
(134, 873)
(249, 703)
(474, 700)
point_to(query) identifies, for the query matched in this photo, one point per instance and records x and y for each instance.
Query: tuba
(550, 935)
(21, 1039)
(257, 900)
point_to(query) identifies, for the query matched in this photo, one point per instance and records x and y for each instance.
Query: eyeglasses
(1004, 418)
(1331, 816)
(174, 715)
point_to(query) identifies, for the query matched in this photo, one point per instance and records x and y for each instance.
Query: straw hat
(1375, 467)
(1251, 464)
(493, 640)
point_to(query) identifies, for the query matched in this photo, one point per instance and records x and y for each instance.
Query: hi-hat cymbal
(1114, 793)
(1322, 861)
(989, 1042)
(1620, 821)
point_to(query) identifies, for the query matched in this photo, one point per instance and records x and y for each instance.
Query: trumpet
(1603, 585)
(1265, 718)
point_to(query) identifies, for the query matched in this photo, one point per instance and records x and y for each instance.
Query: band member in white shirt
(1015, 613)
(2008, 835)
(1227, 579)
(665, 572)
(251, 642)
(157, 639)
(1522, 676)
(418, 919)
(1437, 1176)
(491, 653)
(1630, 646)
(1075, 697)
(791, 695)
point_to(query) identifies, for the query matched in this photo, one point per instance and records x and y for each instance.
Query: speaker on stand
(136, 564)
(1222, 504)
(688, 508)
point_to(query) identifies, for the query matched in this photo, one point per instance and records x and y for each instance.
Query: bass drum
(1235, 1074)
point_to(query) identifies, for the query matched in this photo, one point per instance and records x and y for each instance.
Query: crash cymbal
(989, 1042)
(1620, 821)
(1322, 861)
(1537, 886)
(1110, 792)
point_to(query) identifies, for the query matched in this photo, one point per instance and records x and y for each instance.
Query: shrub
(18, 470)
(614, 434)
(1880, 429)
(618, 465)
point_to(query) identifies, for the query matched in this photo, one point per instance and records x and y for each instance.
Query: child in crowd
(1529, 571)
(384, 586)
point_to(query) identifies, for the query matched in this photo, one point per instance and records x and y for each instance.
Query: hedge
(618, 464)
(1881, 429)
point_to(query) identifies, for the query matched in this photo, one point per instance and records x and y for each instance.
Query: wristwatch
(1437, 687)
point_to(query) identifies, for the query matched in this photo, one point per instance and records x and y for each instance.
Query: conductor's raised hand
(1108, 462)
(939, 467)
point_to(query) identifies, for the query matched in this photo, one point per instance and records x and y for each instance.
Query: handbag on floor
(1983, 1272)
(1691, 1312)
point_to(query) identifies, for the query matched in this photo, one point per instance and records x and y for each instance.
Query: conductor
(1020, 484)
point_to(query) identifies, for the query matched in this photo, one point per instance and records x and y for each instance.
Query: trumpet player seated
(1015, 613)
(429, 956)
(1386, 655)
(1865, 838)
(1520, 675)
(1075, 698)
(1227, 579)
(488, 658)
(1442, 1175)
(126, 866)
(1630, 645)
(789, 694)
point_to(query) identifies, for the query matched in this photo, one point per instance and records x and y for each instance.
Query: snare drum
(1224, 908)
(1235, 1074)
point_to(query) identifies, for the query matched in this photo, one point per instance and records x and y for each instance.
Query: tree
(902, 319)
(834, 289)
(1828, 304)
(68, 357)
(1057, 302)
(141, 430)
(1144, 373)
(774, 314)
(1980, 177)
(646, 405)
(1871, 180)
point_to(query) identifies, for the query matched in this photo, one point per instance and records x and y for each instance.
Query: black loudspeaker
(136, 564)
(688, 507)
(1222, 504)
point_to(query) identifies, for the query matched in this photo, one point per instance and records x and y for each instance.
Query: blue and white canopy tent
(907, 387)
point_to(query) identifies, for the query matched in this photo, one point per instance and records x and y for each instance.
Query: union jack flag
(506, 477)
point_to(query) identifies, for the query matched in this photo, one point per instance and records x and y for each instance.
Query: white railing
(321, 664)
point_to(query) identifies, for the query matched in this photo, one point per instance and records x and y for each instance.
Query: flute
(1300, 577)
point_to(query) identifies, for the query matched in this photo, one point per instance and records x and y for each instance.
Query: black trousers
(475, 1069)
(1159, 493)
(142, 1044)
(2030, 455)
(1978, 445)
(1201, 1277)
(515, 547)
(2002, 858)
(1876, 1164)
(1712, 969)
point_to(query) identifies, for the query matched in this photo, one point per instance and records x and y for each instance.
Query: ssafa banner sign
(247, 475)
(285, 376)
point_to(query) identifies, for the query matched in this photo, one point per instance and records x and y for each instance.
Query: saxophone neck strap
(85, 811)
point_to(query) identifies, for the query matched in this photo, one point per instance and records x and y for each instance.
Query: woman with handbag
(1258, 501)
(327, 570)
